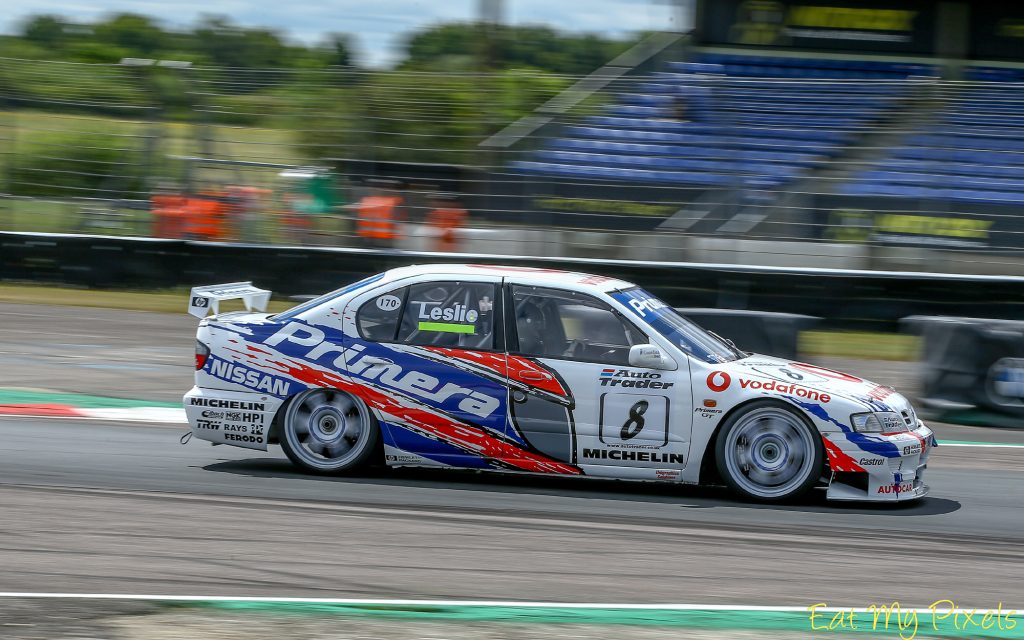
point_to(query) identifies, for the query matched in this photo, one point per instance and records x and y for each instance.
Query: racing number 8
(634, 424)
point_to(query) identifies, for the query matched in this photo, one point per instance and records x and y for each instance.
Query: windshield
(682, 332)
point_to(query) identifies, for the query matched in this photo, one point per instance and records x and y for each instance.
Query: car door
(432, 358)
(610, 418)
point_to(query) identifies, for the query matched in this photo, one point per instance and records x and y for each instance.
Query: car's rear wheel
(328, 431)
(767, 451)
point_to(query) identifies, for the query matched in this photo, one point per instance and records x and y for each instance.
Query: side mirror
(649, 356)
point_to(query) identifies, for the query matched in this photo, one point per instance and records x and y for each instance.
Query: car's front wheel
(328, 431)
(767, 451)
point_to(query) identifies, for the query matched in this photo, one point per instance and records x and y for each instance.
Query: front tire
(769, 452)
(328, 431)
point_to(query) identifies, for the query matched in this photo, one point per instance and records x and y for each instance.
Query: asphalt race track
(90, 506)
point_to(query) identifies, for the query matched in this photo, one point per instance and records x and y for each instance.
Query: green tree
(467, 45)
(228, 45)
(139, 35)
(420, 117)
(338, 50)
(45, 31)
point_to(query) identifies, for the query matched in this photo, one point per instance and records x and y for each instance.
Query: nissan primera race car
(540, 371)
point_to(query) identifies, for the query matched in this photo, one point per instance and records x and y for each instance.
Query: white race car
(542, 371)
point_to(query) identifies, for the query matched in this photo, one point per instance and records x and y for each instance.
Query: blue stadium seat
(967, 141)
(637, 111)
(996, 74)
(642, 175)
(954, 168)
(759, 126)
(739, 121)
(655, 162)
(711, 153)
(790, 66)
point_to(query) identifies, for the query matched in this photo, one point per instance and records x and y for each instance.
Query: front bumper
(238, 418)
(879, 468)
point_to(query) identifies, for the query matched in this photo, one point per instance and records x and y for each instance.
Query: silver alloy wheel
(769, 452)
(327, 429)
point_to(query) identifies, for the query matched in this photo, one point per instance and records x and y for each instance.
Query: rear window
(324, 299)
(378, 318)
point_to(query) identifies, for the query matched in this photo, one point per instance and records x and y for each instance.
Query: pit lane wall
(844, 299)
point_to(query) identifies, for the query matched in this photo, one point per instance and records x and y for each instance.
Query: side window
(378, 317)
(449, 314)
(553, 323)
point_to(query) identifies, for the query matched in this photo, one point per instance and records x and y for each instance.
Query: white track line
(163, 415)
(459, 603)
(982, 445)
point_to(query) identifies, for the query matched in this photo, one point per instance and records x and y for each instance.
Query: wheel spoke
(344, 404)
(776, 426)
(301, 422)
(338, 448)
(315, 446)
(759, 476)
(315, 399)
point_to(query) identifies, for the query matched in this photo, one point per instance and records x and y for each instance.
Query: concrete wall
(671, 247)
(778, 253)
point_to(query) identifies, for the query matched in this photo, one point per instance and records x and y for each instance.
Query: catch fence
(706, 161)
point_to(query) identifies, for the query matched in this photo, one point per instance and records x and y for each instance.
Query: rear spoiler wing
(202, 299)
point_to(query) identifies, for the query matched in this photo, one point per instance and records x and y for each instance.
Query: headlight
(880, 422)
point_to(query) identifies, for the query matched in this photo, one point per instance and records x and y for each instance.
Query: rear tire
(769, 452)
(329, 431)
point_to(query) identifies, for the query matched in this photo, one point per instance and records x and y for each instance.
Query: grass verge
(859, 344)
(792, 621)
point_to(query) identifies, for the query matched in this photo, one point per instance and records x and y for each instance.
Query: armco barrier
(92, 261)
(843, 298)
(972, 369)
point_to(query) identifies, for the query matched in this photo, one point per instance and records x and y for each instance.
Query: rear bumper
(879, 468)
(238, 418)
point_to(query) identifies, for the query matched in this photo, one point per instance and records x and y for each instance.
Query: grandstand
(726, 140)
(737, 121)
(972, 152)
(772, 137)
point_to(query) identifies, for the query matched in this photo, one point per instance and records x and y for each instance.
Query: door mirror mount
(649, 356)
